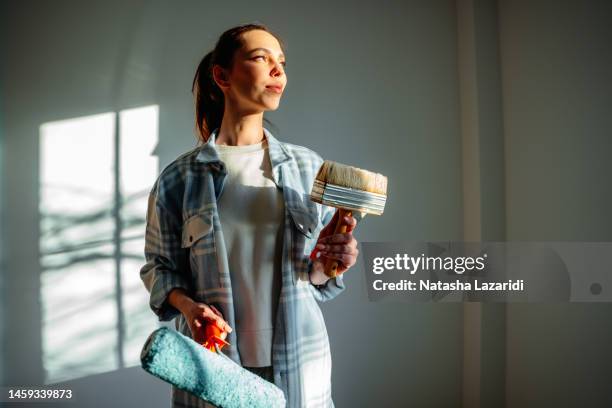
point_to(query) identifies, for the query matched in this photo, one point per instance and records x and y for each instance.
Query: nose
(277, 69)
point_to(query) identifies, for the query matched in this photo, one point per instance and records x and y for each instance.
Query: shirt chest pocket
(199, 237)
(304, 231)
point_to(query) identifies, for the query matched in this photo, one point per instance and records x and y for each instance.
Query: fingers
(211, 313)
(337, 240)
(340, 247)
(349, 247)
(222, 324)
(217, 312)
(347, 259)
(350, 222)
(339, 253)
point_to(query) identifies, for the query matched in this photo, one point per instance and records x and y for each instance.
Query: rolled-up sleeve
(167, 263)
(334, 286)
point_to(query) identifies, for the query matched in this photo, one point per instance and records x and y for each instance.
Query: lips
(275, 88)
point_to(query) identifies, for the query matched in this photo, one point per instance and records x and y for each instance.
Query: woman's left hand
(341, 247)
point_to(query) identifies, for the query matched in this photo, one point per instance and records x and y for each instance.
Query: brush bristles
(352, 177)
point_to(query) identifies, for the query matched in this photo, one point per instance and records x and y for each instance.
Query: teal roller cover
(177, 359)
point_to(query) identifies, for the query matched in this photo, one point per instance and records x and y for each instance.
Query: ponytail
(209, 100)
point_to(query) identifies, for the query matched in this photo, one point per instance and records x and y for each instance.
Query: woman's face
(257, 78)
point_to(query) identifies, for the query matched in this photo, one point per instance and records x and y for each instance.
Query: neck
(239, 129)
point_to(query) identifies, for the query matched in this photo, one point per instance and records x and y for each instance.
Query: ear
(220, 76)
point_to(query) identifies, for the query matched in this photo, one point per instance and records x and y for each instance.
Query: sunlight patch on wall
(94, 306)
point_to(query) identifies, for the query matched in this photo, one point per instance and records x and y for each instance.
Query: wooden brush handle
(331, 265)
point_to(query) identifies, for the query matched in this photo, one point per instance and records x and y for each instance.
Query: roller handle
(213, 342)
(331, 265)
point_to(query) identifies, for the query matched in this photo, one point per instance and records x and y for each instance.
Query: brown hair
(209, 99)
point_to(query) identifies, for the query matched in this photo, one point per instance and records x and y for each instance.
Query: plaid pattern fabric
(185, 249)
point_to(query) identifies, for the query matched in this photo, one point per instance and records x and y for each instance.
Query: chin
(272, 106)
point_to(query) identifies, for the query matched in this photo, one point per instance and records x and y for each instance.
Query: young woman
(230, 228)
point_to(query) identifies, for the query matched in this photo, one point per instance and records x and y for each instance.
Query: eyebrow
(265, 50)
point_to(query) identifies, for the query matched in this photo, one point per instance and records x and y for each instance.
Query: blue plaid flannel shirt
(184, 248)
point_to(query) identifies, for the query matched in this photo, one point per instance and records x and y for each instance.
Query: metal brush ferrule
(348, 198)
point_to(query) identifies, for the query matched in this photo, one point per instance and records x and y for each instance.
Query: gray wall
(380, 79)
(556, 65)
(384, 79)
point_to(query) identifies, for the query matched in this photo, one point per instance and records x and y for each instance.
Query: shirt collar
(278, 153)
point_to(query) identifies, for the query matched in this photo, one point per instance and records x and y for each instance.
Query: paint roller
(209, 375)
(350, 189)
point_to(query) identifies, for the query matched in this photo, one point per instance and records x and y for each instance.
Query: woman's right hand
(198, 315)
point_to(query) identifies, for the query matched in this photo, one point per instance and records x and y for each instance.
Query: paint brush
(350, 189)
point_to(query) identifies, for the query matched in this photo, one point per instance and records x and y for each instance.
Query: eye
(283, 63)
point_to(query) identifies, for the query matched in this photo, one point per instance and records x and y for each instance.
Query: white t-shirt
(251, 212)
